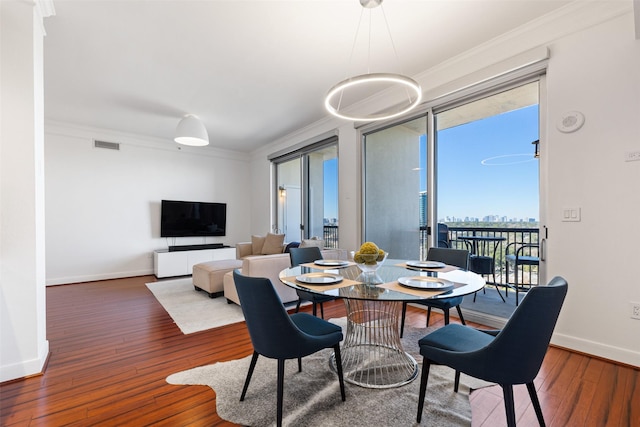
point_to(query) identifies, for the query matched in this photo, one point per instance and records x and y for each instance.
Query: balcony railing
(521, 235)
(528, 275)
(330, 236)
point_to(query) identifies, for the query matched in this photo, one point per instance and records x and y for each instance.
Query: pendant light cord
(395, 52)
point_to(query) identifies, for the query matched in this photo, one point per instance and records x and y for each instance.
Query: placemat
(327, 267)
(397, 287)
(322, 288)
(447, 268)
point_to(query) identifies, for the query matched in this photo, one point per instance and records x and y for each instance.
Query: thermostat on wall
(570, 122)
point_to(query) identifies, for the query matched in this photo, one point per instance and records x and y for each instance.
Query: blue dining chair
(455, 257)
(301, 256)
(510, 356)
(277, 335)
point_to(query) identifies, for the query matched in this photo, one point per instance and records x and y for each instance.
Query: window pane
(393, 182)
(486, 170)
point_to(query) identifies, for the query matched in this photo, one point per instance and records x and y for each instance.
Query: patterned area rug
(312, 397)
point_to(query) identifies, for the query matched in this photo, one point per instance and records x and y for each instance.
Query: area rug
(194, 311)
(312, 397)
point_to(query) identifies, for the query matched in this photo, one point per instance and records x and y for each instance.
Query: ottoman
(207, 276)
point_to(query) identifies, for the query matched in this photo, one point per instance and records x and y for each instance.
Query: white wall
(596, 72)
(103, 206)
(593, 68)
(23, 347)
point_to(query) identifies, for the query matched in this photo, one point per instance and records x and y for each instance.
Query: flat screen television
(184, 219)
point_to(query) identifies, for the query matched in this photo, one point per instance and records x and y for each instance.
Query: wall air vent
(106, 144)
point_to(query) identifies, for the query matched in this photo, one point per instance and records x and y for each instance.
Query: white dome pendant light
(352, 88)
(191, 131)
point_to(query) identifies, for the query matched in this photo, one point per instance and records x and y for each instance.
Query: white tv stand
(180, 263)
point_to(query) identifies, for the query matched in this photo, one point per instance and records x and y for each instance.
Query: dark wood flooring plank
(113, 345)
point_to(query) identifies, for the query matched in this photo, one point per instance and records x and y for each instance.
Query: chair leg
(315, 308)
(280, 391)
(426, 364)
(456, 382)
(515, 281)
(298, 305)
(507, 391)
(446, 316)
(321, 310)
(336, 352)
(299, 364)
(428, 315)
(460, 314)
(252, 365)
(506, 288)
(536, 403)
(404, 314)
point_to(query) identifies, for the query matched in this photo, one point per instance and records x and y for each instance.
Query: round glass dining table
(372, 353)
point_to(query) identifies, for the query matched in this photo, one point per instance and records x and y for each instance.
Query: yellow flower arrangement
(368, 254)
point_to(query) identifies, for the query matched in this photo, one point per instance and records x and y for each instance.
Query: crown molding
(71, 130)
(572, 18)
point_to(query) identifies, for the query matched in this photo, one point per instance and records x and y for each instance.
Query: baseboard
(590, 348)
(26, 368)
(614, 354)
(483, 318)
(474, 316)
(96, 277)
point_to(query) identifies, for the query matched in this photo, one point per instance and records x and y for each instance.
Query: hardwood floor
(112, 346)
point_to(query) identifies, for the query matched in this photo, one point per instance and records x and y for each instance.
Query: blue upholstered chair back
(457, 257)
(304, 255)
(273, 333)
(443, 236)
(517, 352)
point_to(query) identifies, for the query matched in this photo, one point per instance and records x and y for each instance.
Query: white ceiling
(253, 71)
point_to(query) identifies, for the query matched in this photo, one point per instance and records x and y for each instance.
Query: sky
(485, 167)
(331, 188)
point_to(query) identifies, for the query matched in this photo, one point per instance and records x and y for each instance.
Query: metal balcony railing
(330, 236)
(513, 235)
(522, 235)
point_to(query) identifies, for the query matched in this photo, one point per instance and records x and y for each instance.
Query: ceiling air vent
(106, 144)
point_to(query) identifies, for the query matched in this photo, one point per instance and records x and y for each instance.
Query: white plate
(319, 278)
(426, 283)
(426, 264)
(331, 263)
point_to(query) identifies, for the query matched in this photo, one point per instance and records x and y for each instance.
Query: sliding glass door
(307, 193)
(395, 202)
(474, 171)
(487, 178)
(289, 199)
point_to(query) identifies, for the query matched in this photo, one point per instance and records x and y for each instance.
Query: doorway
(307, 193)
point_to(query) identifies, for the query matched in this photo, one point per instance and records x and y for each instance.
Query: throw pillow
(257, 242)
(291, 245)
(312, 242)
(273, 244)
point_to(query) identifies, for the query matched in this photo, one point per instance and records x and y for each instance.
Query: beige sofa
(268, 266)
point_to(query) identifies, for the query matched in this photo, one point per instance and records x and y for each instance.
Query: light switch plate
(571, 214)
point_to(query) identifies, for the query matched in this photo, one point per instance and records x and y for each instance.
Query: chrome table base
(372, 354)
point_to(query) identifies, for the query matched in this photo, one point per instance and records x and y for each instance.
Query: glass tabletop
(352, 287)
